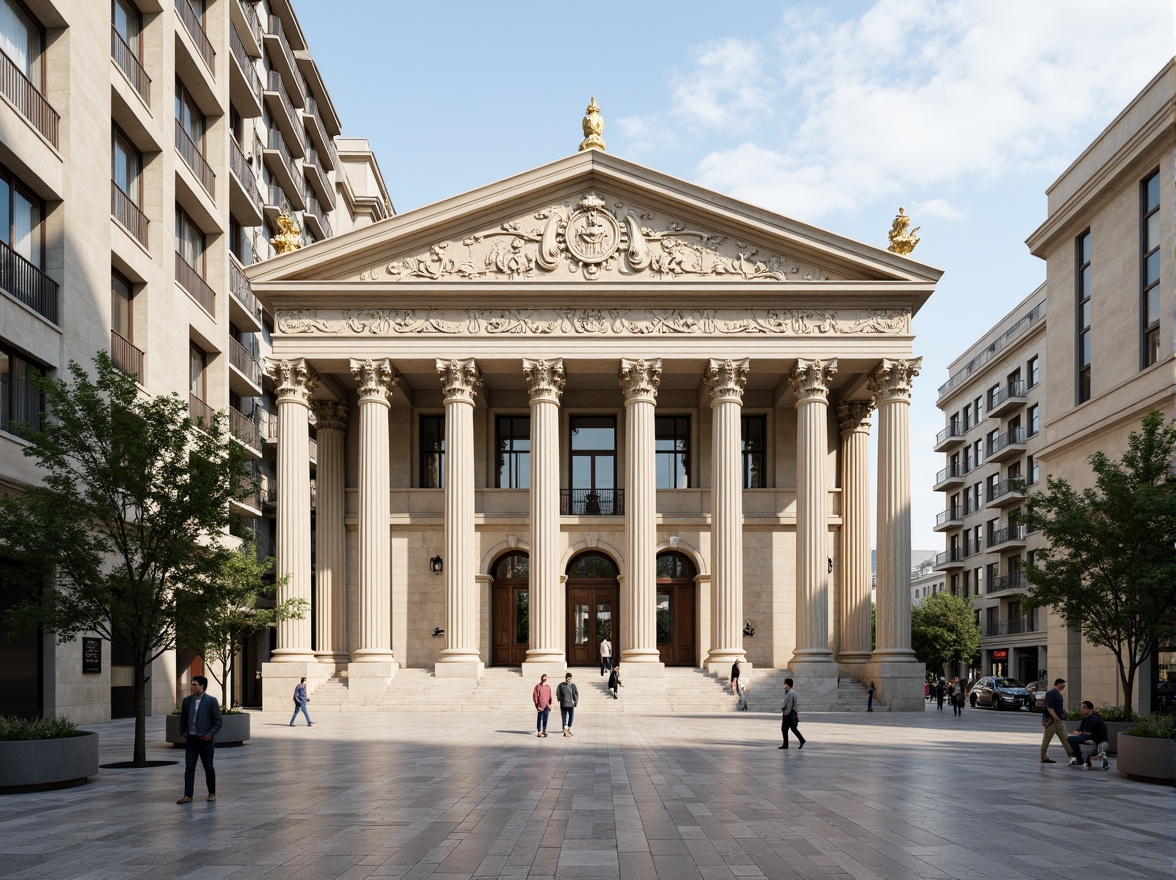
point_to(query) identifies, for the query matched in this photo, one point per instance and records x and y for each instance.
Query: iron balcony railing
(254, 20)
(194, 158)
(193, 282)
(239, 287)
(244, 428)
(995, 348)
(27, 283)
(244, 362)
(1014, 627)
(592, 502)
(245, 63)
(198, 409)
(29, 102)
(1008, 392)
(274, 29)
(952, 555)
(1008, 438)
(1004, 487)
(277, 143)
(949, 431)
(313, 207)
(125, 211)
(125, 355)
(952, 470)
(241, 170)
(130, 65)
(279, 87)
(949, 515)
(196, 31)
(1015, 532)
(1016, 581)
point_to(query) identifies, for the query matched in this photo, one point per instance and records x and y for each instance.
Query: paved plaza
(477, 795)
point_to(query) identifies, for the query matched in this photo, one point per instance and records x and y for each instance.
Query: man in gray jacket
(567, 695)
(790, 715)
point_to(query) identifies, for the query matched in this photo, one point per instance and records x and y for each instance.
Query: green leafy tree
(1109, 568)
(128, 519)
(943, 631)
(238, 611)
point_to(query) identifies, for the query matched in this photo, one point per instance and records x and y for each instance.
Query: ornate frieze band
(545, 378)
(726, 379)
(375, 379)
(460, 379)
(640, 378)
(593, 322)
(330, 415)
(892, 380)
(296, 380)
(855, 416)
(811, 378)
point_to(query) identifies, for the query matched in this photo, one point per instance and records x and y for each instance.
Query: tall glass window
(754, 433)
(196, 363)
(1034, 370)
(1083, 316)
(1149, 269)
(127, 23)
(189, 115)
(121, 321)
(672, 451)
(432, 440)
(594, 453)
(20, 401)
(189, 241)
(21, 216)
(21, 40)
(127, 163)
(513, 462)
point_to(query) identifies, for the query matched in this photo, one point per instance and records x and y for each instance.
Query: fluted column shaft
(811, 380)
(891, 383)
(296, 383)
(460, 380)
(376, 380)
(545, 380)
(330, 537)
(854, 421)
(725, 380)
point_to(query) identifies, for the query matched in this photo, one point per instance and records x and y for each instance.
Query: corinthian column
(854, 421)
(639, 380)
(546, 653)
(891, 384)
(329, 536)
(296, 382)
(460, 381)
(375, 379)
(811, 380)
(725, 380)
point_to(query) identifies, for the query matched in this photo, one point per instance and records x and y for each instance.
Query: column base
(816, 681)
(460, 666)
(292, 655)
(853, 657)
(553, 667)
(899, 681)
(368, 679)
(644, 668)
(373, 655)
(720, 660)
(278, 681)
(334, 658)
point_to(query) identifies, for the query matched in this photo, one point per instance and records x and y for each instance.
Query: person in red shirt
(541, 697)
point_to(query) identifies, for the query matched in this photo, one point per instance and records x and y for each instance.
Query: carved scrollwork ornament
(726, 379)
(460, 379)
(330, 415)
(640, 378)
(375, 378)
(811, 378)
(545, 378)
(855, 416)
(892, 380)
(295, 379)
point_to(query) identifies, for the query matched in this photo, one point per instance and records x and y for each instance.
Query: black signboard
(91, 655)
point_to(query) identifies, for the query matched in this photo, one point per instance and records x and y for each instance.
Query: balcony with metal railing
(949, 438)
(950, 477)
(26, 283)
(315, 219)
(125, 355)
(1006, 399)
(244, 370)
(282, 58)
(244, 197)
(951, 518)
(244, 83)
(949, 559)
(128, 62)
(592, 502)
(1011, 537)
(313, 169)
(193, 157)
(318, 133)
(28, 100)
(125, 211)
(281, 166)
(195, 29)
(1008, 445)
(288, 119)
(1017, 626)
(245, 431)
(199, 410)
(1006, 493)
(1016, 582)
(193, 281)
(244, 307)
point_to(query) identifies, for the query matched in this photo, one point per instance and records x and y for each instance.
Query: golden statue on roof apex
(289, 237)
(593, 128)
(902, 241)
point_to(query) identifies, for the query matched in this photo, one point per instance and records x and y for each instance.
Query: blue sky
(835, 114)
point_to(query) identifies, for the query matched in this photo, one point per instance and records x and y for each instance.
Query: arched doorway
(510, 604)
(593, 591)
(677, 612)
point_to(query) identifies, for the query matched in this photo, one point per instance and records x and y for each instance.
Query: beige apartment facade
(146, 152)
(593, 401)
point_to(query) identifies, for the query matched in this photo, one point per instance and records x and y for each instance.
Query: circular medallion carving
(592, 234)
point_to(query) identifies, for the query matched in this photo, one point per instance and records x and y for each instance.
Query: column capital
(375, 379)
(460, 379)
(811, 378)
(891, 380)
(545, 378)
(726, 379)
(855, 416)
(329, 415)
(296, 379)
(639, 378)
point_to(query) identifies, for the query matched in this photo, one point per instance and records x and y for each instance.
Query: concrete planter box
(39, 764)
(234, 730)
(1114, 728)
(1147, 759)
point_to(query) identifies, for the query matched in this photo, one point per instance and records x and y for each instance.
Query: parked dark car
(998, 693)
(1035, 696)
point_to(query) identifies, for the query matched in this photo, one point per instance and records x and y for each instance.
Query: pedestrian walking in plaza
(791, 716)
(200, 722)
(300, 701)
(957, 696)
(940, 692)
(737, 688)
(568, 696)
(870, 698)
(541, 697)
(1052, 723)
(614, 679)
(605, 656)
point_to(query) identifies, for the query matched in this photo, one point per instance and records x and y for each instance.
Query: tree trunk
(140, 756)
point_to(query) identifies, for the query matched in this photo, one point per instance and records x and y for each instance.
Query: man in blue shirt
(200, 722)
(1052, 722)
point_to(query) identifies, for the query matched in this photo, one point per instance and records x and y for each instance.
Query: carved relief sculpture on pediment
(592, 239)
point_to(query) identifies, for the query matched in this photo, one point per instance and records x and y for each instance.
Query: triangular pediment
(590, 218)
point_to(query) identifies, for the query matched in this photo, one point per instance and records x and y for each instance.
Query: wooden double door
(593, 607)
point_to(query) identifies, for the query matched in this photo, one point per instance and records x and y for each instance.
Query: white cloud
(940, 208)
(727, 88)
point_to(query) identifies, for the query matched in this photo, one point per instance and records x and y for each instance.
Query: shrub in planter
(234, 728)
(1148, 750)
(45, 753)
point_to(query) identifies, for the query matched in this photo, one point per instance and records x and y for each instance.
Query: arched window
(512, 566)
(593, 565)
(675, 566)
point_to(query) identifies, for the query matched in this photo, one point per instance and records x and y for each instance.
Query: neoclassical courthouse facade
(593, 400)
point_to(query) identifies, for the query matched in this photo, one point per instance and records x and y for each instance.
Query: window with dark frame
(22, 40)
(20, 400)
(671, 452)
(126, 166)
(190, 242)
(22, 216)
(190, 117)
(121, 314)
(432, 439)
(1033, 368)
(1149, 269)
(197, 361)
(753, 430)
(1083, 293)
(128, 23)
(1033, 419)
(513, 452)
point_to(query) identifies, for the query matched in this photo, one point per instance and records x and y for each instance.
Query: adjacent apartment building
(147, 150)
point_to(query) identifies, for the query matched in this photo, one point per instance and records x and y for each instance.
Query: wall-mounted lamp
(435, 566)
(437, 631)
(748, 629)
(830, 565)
